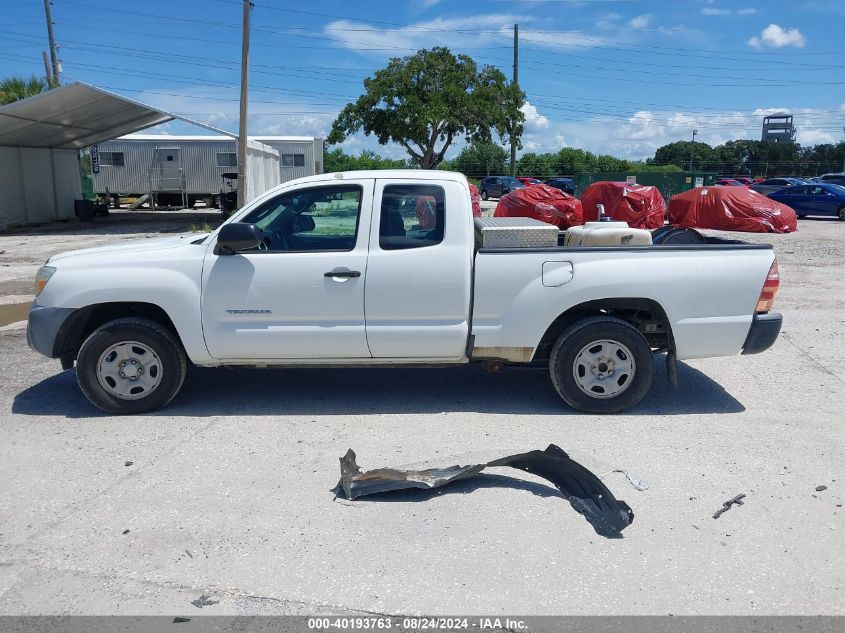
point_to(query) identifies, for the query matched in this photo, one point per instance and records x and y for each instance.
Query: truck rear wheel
(601, 365)
(130, 366)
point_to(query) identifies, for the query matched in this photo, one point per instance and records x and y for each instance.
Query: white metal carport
(40, 139)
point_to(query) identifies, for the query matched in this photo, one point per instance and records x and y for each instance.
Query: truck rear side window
(412, 216)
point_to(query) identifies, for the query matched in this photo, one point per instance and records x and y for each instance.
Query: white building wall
(262, 162)
(38, 185)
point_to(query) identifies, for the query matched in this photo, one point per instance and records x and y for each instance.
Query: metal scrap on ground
(203, 601)
(584, 491)
(727, 505)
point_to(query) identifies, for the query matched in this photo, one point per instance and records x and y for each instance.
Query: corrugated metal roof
(169, 138)
(77, 115)
(210, 137)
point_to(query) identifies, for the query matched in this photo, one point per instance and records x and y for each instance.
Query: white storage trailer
(40, 138)
(185, 169)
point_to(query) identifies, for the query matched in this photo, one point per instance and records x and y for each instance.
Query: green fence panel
(669, 183)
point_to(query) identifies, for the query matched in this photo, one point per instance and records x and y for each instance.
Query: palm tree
(17, 88)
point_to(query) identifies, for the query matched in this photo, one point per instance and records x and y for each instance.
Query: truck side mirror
(237, 236)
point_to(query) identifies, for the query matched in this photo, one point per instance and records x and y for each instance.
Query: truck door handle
(348, 274)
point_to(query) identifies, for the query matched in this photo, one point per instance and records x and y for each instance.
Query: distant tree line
(481, 159)
(757, 158)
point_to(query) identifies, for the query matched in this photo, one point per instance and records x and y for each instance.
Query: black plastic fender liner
(585, 491)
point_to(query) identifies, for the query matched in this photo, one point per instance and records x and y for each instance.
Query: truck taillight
(770, 289)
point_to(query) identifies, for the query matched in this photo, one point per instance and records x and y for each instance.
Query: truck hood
(134, 246)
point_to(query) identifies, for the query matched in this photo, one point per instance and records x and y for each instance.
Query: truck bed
(707, 291)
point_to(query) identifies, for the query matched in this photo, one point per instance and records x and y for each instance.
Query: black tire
(171, 364)
(571, 343)
(801, 216)
(841, 213)
(484, 194)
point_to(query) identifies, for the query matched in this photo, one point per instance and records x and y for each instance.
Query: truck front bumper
(763, 333)
(43, 327)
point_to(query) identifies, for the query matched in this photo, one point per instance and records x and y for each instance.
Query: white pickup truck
(378, 268)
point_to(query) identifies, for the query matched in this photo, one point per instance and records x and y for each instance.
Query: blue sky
(615, 76)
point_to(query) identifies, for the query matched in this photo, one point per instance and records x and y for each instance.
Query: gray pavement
(229, 490)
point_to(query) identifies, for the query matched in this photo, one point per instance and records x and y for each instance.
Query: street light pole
(692, 148)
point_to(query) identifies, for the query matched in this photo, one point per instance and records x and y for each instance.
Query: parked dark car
(776, 184)
(729, 182)
(497, 186)
(527, 181)
(816, 199)
(567, 185)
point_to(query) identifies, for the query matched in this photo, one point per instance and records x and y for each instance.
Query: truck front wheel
(601, 365)
(130, 366)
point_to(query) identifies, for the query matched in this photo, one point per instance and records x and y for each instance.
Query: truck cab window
(412, 216)
(317, 219)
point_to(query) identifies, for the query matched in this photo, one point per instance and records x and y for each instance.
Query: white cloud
(774, 36)
(469, 31)
(534, 121)
(425, 34)
(641, 133)
(715, 11)
(641, 21)
(634, 136)
(608, 21)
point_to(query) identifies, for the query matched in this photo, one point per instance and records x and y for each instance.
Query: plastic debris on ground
(641, 206)
(543, 203)
(585, 492)
(632, 478)
(475, 196)
(731, 209)
(737, 500)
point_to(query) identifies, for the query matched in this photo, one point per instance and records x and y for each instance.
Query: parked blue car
(815, 199)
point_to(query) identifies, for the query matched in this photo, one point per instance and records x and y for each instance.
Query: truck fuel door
(556, 273)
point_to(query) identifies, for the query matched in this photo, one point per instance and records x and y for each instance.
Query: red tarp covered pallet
(641, 206)
(543, 203)
(476, 200)
(731, 209)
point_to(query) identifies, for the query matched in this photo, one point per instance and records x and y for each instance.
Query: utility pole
(515, 82)
(243, 139)
(692, 148)
(54, 54)
(48, 75)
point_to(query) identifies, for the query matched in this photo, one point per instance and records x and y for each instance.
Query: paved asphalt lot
(229, 490)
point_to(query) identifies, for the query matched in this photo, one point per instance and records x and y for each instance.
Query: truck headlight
(42, 277)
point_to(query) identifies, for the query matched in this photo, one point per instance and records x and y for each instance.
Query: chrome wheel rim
(604, 369)
(129, 370)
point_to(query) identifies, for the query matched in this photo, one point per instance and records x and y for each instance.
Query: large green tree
(481, 158)
(537, 165)
(679, 153)
(17, 88)
(426, 101)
